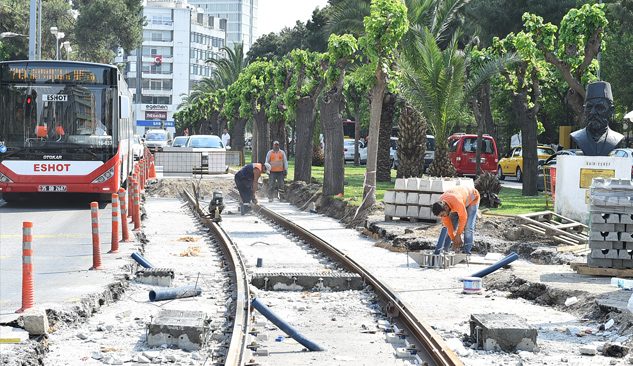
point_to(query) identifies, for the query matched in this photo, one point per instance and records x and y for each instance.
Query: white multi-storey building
(241, 15)
(177, 40)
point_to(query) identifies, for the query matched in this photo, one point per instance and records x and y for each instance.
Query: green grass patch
(513, 203)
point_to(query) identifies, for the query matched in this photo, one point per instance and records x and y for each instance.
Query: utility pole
(32, 30)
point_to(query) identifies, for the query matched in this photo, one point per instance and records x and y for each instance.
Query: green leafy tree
(383, 30)
(574, 51)
(340, 51)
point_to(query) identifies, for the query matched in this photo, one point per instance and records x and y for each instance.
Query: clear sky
(274, 15)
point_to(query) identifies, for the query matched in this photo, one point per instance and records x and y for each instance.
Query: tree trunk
(442, 166)
(237, 136)
(527, 120)
(262, 137)
(377, 93)
(411, 144)
(306, 120)
(576, 103)
(486, 111)
(383, 173)
(332, 104)
(278, 133)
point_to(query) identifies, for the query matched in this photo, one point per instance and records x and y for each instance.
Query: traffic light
(28, 108)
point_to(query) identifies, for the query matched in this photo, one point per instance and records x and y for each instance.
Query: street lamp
(58, 35)
(68, 49)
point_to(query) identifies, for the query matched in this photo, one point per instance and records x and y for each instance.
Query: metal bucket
(472, 285)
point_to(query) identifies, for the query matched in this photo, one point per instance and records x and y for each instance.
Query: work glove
(285, 173)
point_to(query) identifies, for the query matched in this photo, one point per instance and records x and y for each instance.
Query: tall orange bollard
(137, 207)
(125, 233)
(114, 247)
(96, 241)
(28, 297)
(142, 175)
(130, 202)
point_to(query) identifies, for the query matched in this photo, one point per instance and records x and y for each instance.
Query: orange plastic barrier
(28, 297)
(96, 241)
(114, 248)
(125, 233)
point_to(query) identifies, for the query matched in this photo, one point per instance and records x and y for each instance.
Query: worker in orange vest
(246, 180)
(278, 171)
(458, 209)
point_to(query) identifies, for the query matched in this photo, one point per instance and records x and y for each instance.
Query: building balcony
(156, 92)
(157, 75)
(158, 43)
(166, 59)
(159, 25)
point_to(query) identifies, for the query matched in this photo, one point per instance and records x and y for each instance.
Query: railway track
(313, 263)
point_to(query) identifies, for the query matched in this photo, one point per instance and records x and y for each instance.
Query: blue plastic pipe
(441, 240)
(174, 293)
(137, 257)
(285, 327)
(504, 262)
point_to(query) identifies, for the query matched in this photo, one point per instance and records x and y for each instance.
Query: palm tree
(434, 85)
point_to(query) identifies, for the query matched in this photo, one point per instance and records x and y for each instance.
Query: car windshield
(180, 141)
(430, 144)
(349, 143)
(545, 151)
(207, 142)
(156, 137)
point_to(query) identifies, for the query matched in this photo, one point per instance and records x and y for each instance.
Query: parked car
(624, 153)
(512, 164)
(551, 162)
(462, 148)
(349, 150)
(393, 152)
(205, 142)
(156, 140)
(180, 141)
(138, 147)
(248, 143)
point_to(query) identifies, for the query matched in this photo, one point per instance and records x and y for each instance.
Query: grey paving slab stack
(412, 198)
(611, 223)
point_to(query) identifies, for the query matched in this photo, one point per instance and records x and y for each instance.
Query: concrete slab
(507, 332)
(279, 281)
(180, 328)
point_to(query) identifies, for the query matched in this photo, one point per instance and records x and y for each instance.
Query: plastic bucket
(472, 285)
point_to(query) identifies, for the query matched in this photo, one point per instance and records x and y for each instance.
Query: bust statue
(597, 139)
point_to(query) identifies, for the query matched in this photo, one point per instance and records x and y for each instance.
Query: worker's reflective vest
(276, 161)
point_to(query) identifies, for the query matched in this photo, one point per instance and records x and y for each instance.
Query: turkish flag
(158, 60)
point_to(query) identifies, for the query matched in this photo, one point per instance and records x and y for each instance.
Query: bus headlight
(105, 176)
(5, 179)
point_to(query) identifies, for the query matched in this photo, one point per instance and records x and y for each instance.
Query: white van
(156, 140)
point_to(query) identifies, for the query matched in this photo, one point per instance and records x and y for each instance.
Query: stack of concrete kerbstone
(412, 198)
(611, 223)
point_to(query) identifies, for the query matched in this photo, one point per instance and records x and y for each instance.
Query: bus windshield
(40, 119)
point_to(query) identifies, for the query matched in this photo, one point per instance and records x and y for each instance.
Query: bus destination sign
(53, 74)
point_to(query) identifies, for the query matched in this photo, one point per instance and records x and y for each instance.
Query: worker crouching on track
(246, 181)
(278, 171)
(458, 209)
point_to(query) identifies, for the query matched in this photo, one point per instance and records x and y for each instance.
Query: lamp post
(58, 35)
(68, 49)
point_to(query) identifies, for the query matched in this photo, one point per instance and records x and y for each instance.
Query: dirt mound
(172, 188)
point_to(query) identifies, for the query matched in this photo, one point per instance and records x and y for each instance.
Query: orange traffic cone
(152, 171)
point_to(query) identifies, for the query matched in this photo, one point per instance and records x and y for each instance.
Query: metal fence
(549, 177)
(197, 162)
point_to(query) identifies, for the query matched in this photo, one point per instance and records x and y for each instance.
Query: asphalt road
(62, 241)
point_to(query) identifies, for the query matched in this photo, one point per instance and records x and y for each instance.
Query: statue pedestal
(573, 179)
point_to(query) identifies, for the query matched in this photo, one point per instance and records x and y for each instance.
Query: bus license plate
(52, 188)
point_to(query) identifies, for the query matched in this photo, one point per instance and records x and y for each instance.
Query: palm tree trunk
(383, 173)
(411, 143)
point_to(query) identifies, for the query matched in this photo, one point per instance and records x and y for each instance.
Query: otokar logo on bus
(55, 97)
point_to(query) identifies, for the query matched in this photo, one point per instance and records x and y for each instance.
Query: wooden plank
(550, 227)
(603, 271)
(570, 248)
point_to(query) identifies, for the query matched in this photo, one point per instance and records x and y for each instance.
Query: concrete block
(436, 186)
(626, 219)
(611, 254)
(425, 213)
(435, 197)
(35, 321)
(627, 246)
(413, 184)
(627, 263)
(626, 237)
(401, 211)
(595, 235)
(13, 335)
(618, 245)
(597, 253)
(600, 262)
(629, 228)
(611, 218)
(183, 329)
(446, 184)
(401, 198)
(597, 244)
(602, 227)
(412, 211)
(424, 199)
(425, 184)
(466, 182)
(612, 236)
(619, 227)
(624, 254)
(390, 210)
(412, 198)
(507, 332)
(401, 184)
(156, 276)
(597, 218)
(617, 263)
(390, 197)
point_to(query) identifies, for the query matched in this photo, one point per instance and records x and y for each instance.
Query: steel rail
(236, 353)
(422, 331)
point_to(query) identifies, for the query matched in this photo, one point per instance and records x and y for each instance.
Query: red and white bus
(64, 127)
